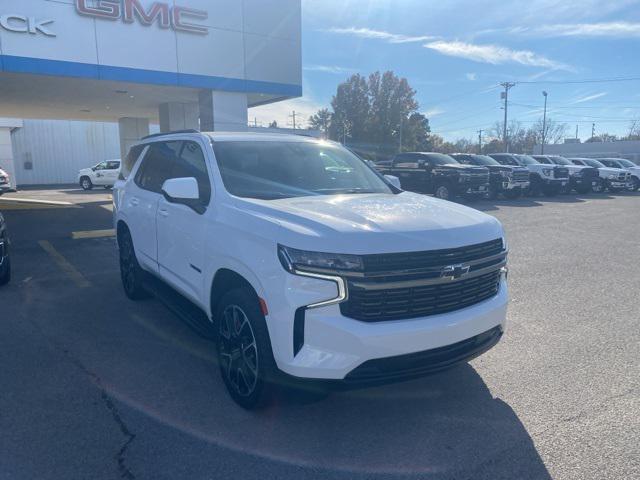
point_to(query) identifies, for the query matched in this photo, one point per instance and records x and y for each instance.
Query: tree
(603, 137)
(376, 114)
(321, 121)
(273, 124)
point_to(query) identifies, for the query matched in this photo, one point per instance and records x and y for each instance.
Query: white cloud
(493, 54)
(380, 35)
(471, 76)
(606, 29)
(588, 98)
(433, 112)
(328, 69)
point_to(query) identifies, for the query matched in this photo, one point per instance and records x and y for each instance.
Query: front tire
(85, 183)
(635, 185)
(5, 272)
(513, 194)
(131, 273)
(246, 360)
(599, 187)
(443, 192)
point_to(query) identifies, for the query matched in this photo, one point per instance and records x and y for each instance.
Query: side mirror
(183, 191)
(393, 180)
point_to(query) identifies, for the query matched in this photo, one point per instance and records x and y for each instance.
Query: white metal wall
(57, 149)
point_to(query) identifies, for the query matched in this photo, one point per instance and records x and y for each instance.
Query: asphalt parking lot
(97, 387)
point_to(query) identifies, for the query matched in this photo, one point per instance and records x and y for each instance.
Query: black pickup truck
(508, 180)
(437, 174)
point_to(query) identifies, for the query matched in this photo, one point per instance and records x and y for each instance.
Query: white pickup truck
(103, 174)
(306, 264)
(616, 179)
(629, 166)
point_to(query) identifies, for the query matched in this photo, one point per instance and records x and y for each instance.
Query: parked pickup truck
(437, 174)
(629, 166)
(103, 174)
(507, 180)
(544, 179)
(616, 179)
(304, 264)
(582, 179)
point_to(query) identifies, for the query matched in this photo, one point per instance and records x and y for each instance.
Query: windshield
(527, 160)
(272, 170)
(560, 160)
(506, 160)
(483, 160)
(593, 163)
(626, 163)
(440, 159)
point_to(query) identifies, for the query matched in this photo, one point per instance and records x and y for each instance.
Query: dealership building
(133, 64)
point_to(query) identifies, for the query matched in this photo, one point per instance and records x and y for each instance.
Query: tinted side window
(406, 160)
(157, 164)
(113, 165)
(191, 163)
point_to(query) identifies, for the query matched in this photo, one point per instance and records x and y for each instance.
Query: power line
(590, 80)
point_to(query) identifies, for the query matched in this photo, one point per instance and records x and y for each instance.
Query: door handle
(134, 201)
(164, 213)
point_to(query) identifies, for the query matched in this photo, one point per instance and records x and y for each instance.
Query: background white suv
(103, 174)
(306, 262)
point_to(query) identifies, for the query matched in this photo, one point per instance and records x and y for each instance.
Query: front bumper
(335, 346)
(557, 182)
(5, 187)
(618, 184)
(463, 189)
(513, 185)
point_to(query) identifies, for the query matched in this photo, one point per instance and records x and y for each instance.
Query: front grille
(560, 172)
(475, 179)
(623, 177)
(404, 303)
(590, 173)
(395, 262)
(520, 176)
(417, 364)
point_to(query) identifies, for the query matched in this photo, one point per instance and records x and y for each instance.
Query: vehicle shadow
(445, 426)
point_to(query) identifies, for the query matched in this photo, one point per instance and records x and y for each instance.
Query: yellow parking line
(64, 265)
(6, 206)
(93, 234)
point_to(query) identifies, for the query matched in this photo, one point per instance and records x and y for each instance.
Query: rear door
(111, 172)
(181, 229)
(405, 167)
(142, 197)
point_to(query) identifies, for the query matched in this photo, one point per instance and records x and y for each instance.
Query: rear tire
(85, 183)
(131, 273)
(245, 355)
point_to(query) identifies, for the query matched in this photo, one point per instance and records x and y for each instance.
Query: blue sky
(455, 53)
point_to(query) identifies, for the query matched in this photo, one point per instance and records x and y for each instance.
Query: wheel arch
(226, 280)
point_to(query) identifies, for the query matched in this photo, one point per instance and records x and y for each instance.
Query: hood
(470, 168)
(375, 223)
(85, 170)
(610, 170)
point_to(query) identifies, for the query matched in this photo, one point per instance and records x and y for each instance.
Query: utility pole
(576, 132)
(505, 95)
(401, 121)
(544, 122)
(294, 115)
(480, 142)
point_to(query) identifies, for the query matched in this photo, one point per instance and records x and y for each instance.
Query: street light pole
(544, 123)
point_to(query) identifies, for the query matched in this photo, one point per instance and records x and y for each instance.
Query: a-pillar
(131, 131)
(179, 116)
(223, 111)
(6, 150)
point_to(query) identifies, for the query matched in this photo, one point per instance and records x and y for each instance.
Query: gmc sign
(129, 11)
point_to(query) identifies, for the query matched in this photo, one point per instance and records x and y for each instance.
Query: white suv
(307, 263)
(103, 174)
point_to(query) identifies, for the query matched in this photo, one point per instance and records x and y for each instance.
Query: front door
(181, 229)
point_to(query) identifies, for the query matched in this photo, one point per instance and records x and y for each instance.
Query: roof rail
(190, 130)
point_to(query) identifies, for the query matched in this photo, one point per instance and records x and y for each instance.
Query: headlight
(505, 173)
(299, 260)
(578, 174)
(612, 176)
(547, 172)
